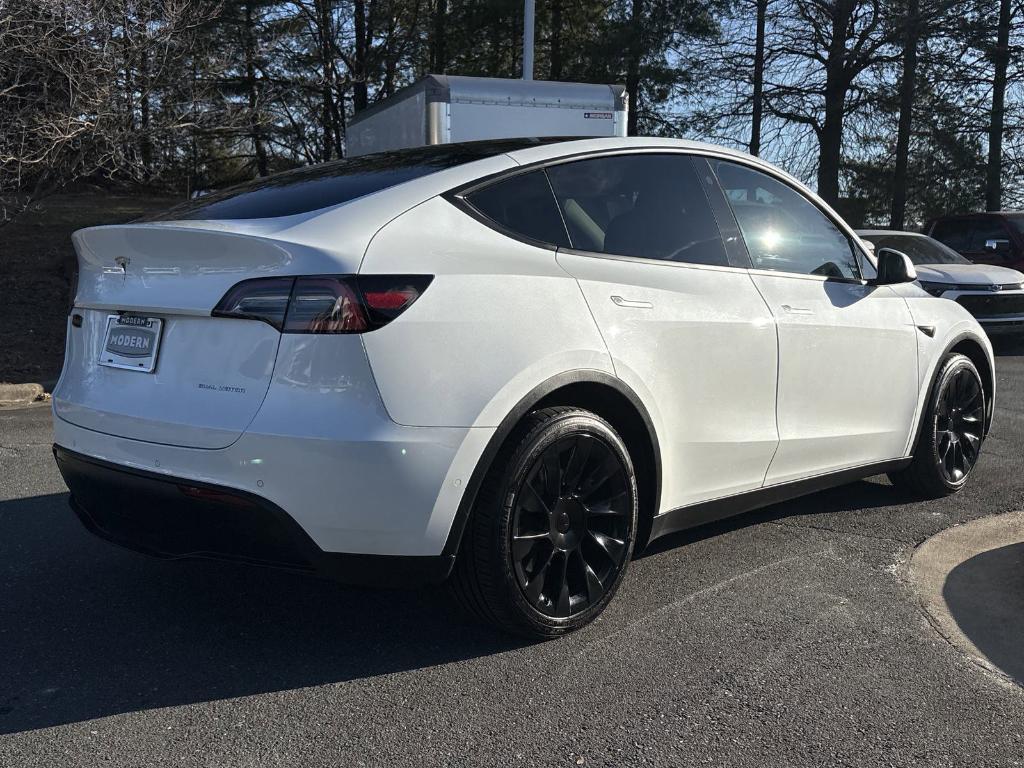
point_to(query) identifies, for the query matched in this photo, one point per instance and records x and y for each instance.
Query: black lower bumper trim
(175, 518)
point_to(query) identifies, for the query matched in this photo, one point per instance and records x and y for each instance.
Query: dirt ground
(37, 265)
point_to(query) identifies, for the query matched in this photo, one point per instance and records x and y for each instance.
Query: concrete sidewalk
(970, 580)
(17, 395)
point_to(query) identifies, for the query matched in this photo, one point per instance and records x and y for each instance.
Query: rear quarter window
(524, 206)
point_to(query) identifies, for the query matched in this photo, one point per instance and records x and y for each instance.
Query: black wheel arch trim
(527, 404)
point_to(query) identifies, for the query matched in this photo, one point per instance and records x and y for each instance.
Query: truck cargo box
(440, 109)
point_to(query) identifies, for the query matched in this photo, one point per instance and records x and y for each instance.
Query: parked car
(512, 364)
(984, 238)
(994, 295)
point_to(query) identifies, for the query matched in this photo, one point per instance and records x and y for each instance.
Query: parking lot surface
(786, 637)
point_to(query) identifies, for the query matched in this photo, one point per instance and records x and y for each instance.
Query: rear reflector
(323, 303)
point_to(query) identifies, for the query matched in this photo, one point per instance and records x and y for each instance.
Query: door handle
(796, 310)
(621, 302)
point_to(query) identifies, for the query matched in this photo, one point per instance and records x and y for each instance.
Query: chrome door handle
(796, 310)
(621, 302)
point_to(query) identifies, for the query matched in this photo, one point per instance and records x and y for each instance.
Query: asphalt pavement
(786, 637)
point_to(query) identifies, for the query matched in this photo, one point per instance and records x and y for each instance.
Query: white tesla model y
(508, 364)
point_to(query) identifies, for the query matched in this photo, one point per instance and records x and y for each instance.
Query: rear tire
(553, 526)
(951, 435)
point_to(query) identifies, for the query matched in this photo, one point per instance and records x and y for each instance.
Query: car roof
(566, 148)
(983, 214)
(887, 232)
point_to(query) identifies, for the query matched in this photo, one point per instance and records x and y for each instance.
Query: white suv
(509, 364)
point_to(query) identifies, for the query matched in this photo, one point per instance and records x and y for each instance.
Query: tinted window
(320, 186)
(785, 231)
(953, 232)
(1017, 223)
(524, 205)
(921, 250)
(986, 229)
(646, 205)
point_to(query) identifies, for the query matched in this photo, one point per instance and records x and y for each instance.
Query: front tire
(952, 432)
(553, 527)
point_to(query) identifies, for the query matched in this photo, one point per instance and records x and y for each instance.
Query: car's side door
(684, 324)
(848, 378)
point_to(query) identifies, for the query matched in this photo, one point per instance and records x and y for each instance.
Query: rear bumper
(177, 518)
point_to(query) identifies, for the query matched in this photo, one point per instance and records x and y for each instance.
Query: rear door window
(524, 206)
(650, 206)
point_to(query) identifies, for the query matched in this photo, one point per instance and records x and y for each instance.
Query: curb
(969, 581)
(15, 395)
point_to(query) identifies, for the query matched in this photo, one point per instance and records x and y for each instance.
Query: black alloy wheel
(951, 433)
(571, 525)
(959, 424)
(553, 527)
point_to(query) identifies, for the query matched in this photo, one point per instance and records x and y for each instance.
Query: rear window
(321, 186)
(525, 206)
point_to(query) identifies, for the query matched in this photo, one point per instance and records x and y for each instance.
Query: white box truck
(440, 109)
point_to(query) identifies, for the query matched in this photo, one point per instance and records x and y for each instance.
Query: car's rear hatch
(146, 360)
(144, 301)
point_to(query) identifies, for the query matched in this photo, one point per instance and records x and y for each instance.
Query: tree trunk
(636, 24)
(911, 34)
(325, 40)
(555, 72)
(830, 135)
(757, 105)
(360, 97)
(830, 140)
(252, 89)
(438, 48)
(145, 136)
(1001, 60)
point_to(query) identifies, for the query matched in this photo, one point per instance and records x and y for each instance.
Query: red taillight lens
(323, 304)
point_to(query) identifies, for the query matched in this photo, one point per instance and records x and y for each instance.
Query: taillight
(265, 298)
(324, 303)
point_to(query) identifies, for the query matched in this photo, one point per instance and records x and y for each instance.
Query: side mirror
(894, 267)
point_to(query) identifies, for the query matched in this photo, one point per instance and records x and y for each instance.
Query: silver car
(994, 295)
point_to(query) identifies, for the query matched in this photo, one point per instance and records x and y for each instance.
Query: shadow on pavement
(985, 596)
(1008, 346)
(88, 630)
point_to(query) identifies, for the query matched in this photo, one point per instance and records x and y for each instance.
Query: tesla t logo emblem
(122, 264)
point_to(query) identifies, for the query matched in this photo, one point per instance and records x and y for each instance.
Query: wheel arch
(974, 349)
(609, 398)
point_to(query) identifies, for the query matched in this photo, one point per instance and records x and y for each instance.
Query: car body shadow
(985, 596)
(88, 630)
(861, 495)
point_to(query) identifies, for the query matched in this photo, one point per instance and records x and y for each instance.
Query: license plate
(131, 342)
